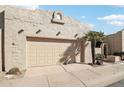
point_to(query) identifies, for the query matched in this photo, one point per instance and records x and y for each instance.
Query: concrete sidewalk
(72, 75)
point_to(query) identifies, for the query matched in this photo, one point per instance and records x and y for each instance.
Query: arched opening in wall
(98, 44)
(58, 16)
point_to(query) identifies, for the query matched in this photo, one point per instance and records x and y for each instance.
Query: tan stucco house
(31, 38)
(115, 42)
(112, 47)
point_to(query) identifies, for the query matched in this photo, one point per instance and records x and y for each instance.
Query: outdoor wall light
(75, 35)
(20, 31)
(58, 33)
(37, 32)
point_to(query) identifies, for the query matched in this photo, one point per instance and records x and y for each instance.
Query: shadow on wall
(77, 48)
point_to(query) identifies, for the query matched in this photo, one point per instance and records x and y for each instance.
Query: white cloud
(112, 17)
(116, 23)
(115, 19)
(83, 17)
(86, 27)
(32, 7)
(91, 26)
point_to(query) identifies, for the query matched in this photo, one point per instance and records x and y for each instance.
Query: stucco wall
(1, 40)
(123, 40)
(114, 42)
(0, 50)
(87, 53)
(118, 42)
(98, 51)
(30, 22)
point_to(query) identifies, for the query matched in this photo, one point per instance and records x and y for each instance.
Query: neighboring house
(112, 45)
(115, 42)
(31, 38)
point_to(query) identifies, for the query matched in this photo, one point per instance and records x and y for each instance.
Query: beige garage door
(42, 52)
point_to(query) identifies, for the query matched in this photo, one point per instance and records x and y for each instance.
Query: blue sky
(108, 19)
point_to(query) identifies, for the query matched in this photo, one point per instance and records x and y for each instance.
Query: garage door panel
(47, 53)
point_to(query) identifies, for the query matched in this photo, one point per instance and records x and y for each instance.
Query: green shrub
(14, 71)
(99, 56)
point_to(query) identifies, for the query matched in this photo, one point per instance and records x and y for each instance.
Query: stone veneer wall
(29, 22)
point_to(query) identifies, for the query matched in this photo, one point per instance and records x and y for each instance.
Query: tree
(94, 37)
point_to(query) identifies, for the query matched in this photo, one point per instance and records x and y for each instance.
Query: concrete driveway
(72, 75)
